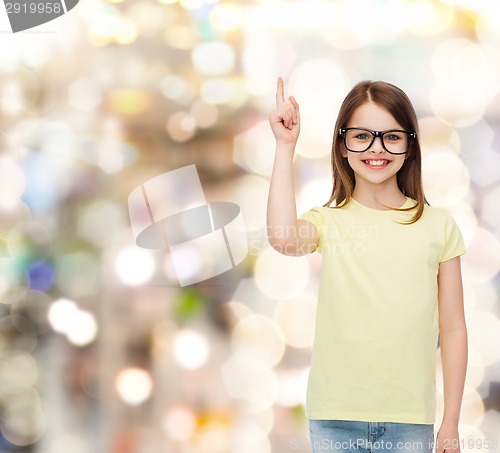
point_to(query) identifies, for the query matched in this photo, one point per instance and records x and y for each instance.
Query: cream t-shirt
(374, 353)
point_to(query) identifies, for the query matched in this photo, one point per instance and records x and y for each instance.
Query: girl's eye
(392, 137)
(362, 137)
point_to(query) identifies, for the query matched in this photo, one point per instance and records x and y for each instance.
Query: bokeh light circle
(213, 58)
(23, 423)
(250, 193)
(482, 261)
(227, 16)
(177, 89)
(292, 387)
(61, 313)
(21, 333)
(466, 219)
(279, 276)
(436, 135)
(252, 382)
(251, 149)
(258, 337)
(181, 126)
(134, 385)
(468, 76)
(12, 215)
(483, 330)
(445, 178)
(191, 349)
(17, 369)
(350, 29)
(179, 423)
(30, 241)
(134, 266)
(426, 18)
(475, 368)
(455, 107)
(488, 25)
(84, 329)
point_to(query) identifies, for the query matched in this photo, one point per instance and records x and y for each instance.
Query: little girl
(390, 285)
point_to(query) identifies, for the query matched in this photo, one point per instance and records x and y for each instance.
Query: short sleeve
(453, 241)
(315, 216)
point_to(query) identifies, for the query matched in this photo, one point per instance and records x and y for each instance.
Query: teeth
(376, 162)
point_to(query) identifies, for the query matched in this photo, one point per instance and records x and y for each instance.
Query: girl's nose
(377, 145)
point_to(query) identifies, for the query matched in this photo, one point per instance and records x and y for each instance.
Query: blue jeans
(346, 436)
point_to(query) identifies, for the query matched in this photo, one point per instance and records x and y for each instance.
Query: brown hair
(397, 103)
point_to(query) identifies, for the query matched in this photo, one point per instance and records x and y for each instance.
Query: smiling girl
(390, 285)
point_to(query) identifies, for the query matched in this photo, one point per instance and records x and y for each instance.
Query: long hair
(409, 177)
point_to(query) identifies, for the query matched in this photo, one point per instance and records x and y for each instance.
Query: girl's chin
(374, 177)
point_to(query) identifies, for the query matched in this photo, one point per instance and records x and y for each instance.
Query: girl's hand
(447, 439)
(285, 118)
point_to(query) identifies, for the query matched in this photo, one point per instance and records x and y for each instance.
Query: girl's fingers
(286, 113)
(292, 115)
(288, 118)
(295, 110)
(280, 93)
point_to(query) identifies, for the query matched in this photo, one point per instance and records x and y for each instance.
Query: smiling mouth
(376, 162)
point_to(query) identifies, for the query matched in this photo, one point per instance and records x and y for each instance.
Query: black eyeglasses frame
(375, 134)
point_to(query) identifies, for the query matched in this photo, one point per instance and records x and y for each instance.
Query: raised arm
(286, 234)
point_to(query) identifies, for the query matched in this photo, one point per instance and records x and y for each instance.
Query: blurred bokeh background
(97, 352)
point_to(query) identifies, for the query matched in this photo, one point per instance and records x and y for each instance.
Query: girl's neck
(372, 195)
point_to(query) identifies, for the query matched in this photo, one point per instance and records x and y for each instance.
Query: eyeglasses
(359, 139)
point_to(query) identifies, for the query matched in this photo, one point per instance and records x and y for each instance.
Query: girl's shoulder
(438, 218)
(436, 212)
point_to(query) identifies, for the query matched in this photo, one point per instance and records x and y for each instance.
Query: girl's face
(375, 165)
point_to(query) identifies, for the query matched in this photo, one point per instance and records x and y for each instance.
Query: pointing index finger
(280, 93)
